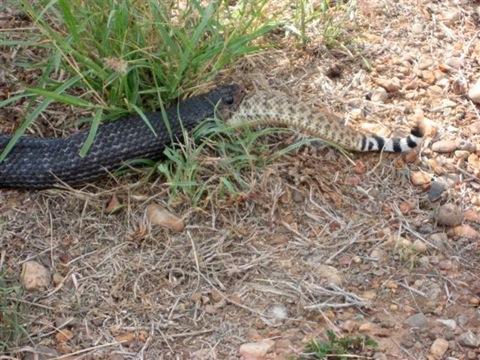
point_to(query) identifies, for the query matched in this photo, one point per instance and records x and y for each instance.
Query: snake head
(228, 98)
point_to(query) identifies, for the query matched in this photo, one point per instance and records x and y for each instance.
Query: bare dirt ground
(320, 243)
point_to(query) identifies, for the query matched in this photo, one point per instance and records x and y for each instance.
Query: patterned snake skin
(265, 108)
(42, 163)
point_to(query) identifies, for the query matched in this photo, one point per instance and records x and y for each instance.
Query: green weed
(336, 348)
(11, 330)
(326, 18)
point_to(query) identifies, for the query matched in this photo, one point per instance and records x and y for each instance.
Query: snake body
(263, 108)
(36, 163)
(41, 163)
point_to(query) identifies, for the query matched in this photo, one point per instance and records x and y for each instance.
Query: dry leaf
(159, 216)
(63, 335)
(405, 207)
(360, 168)
(113, 205)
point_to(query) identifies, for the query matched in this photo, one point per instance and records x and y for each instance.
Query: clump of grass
(114, 57)
(327, 17)
(11, 330)
(224, 165)
(336, 348)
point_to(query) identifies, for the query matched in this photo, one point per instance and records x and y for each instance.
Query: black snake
(36, 163)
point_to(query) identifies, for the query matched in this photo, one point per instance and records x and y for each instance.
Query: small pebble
(391, 85)
(436, 190)
(474, 92)
(419, 178)
(34, 276)
(277, 313)
(417, 321)
(445, 146)
(379, 95)
(449, 215)
(419, 246)
(439, 348)
(417, 28)
(459, 87)
(256, 350)
(454, 62)
(425, 63)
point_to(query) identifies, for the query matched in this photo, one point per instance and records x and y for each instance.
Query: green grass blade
(63, 98)
(14, 99)
(144, 118)
(33, 115)
(91, 133)
(70, 20)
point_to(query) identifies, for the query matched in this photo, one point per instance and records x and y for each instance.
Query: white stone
(256, 350)
(474, 92)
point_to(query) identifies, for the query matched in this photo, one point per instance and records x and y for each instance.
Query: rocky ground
(380, 245)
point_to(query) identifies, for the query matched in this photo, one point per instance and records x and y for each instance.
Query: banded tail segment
(396, 145)
(267, 109)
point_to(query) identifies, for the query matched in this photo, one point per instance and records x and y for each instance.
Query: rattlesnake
(268, 108)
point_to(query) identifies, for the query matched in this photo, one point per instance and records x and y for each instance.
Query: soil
(356, 244)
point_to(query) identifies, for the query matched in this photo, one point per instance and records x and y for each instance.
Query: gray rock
(449, 323)
(436, 190)
(469, 339)
(417, 321)
(380, 356)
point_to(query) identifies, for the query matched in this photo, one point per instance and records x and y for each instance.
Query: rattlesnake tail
(263, 108)
(396, 145)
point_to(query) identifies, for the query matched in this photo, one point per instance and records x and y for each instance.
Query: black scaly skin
(36, 163)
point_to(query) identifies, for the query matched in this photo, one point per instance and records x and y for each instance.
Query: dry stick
(409, 288)
(449, 295)
(468, 175)
(288, 227)
(2, 258)
(230, 300)
(35, 256)
(195, 255)
(336, 219)
(343, 248)
(166, 340)
(406, 226)
(147, 342)
(31, 303)
(66, 356)
(192, 333)
(52, 261)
